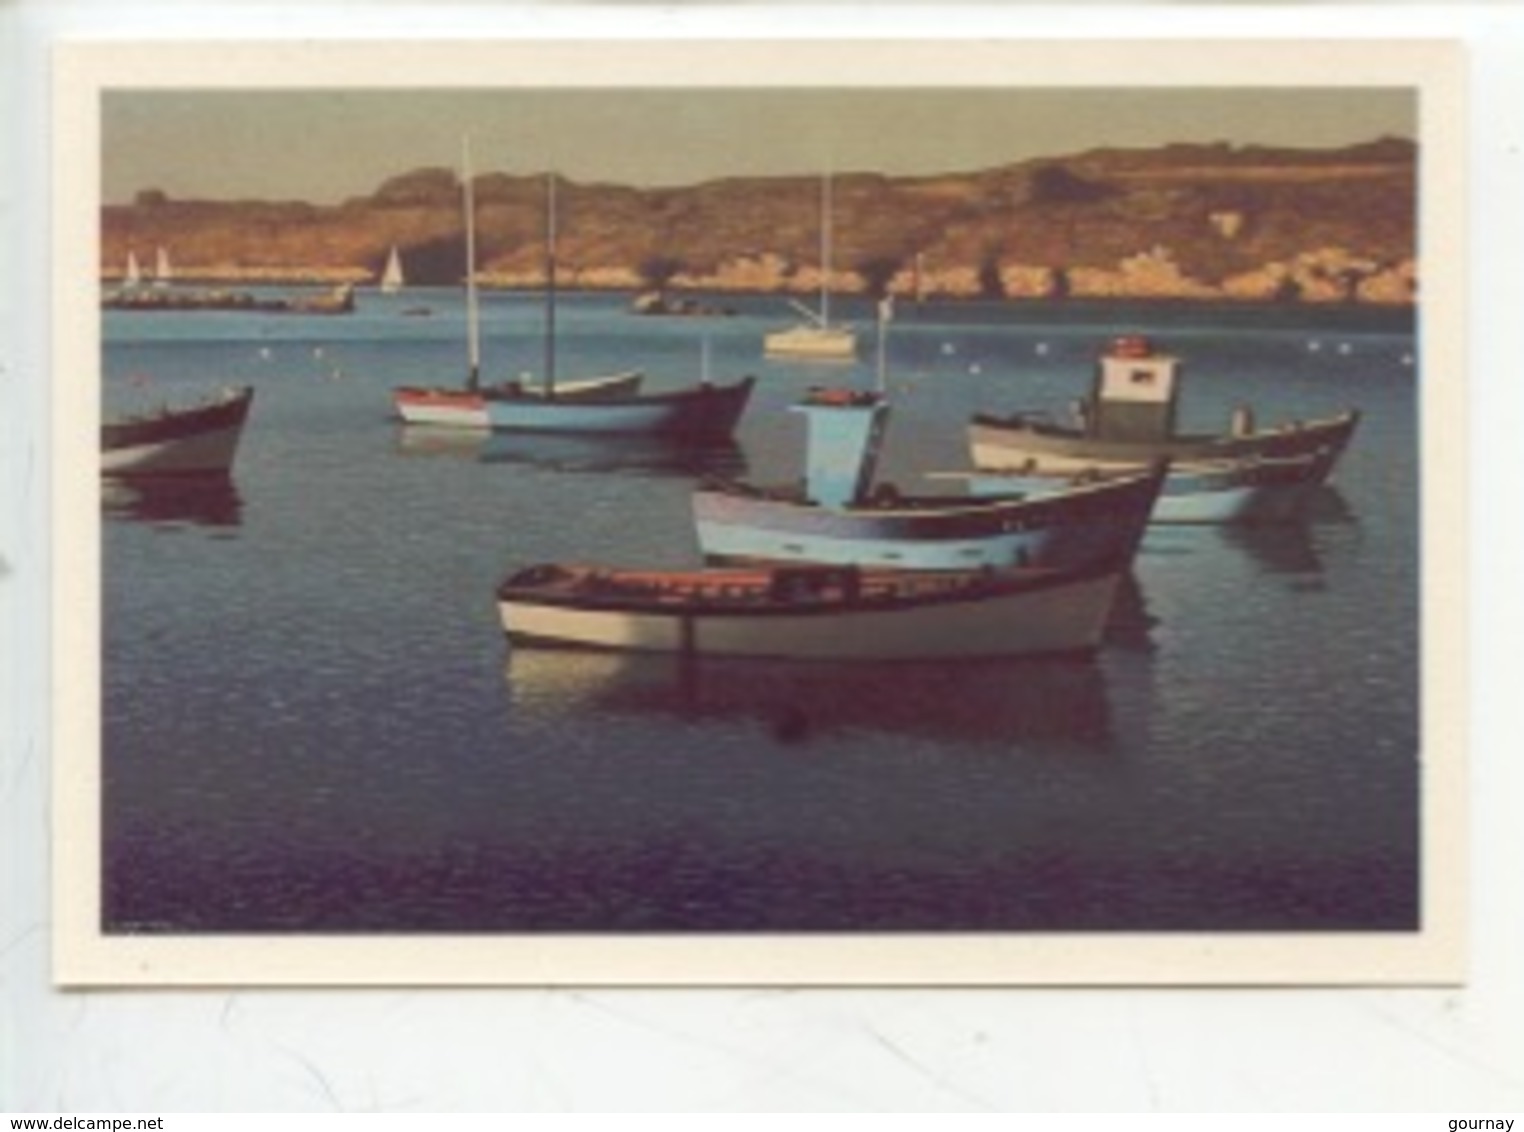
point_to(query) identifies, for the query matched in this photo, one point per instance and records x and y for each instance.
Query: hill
(1174, 222)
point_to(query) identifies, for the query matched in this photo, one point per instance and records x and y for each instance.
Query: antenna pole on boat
(825, 250)
(473, 331)
(550, 285)
(885, 315)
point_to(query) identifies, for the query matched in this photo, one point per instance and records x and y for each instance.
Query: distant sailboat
(133, 276)
(162, 273)
(816, 337)
(392, 278)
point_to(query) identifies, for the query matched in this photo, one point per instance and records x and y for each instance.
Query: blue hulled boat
(842, 516)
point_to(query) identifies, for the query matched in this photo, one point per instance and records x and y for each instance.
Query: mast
(825, 252)
(885, 316)
(473, 330)
(550, 285)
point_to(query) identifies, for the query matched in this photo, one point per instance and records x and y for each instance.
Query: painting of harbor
(764, 512)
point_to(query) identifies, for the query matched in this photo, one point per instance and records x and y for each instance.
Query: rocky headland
(1185, 222)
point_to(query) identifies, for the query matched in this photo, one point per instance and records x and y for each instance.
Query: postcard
(743, 512)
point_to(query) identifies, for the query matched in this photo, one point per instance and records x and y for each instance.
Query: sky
(326, 146)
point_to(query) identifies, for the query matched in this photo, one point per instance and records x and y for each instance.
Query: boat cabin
(1135, 393)
(846, 434)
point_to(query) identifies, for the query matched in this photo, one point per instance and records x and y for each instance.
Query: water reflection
(645, 454)
(1130, 626)
(203, 501)
(440, 440)
(1055, 703)
(648, 454)
(1284, 549)
(1328, 505)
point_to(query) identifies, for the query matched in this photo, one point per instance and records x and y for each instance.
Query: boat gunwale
(1339, 425)
(223, 411)
(943, 587)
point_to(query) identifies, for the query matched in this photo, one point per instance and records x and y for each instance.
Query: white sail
(133, 276)
(391, 278)
(162, 274)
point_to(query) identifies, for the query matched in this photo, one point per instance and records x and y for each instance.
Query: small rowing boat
(195, 440)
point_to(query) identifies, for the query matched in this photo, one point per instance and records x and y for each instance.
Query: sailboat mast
(473, 329)
(550, 285)
(825, 251)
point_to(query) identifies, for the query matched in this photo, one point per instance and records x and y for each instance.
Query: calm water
(313, 723)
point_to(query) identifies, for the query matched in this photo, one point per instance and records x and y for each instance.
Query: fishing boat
(196, 440)
(1255, 489)
(1129, 418)
(810, 612)
(392, 279)
(817, 338)
(841, 514)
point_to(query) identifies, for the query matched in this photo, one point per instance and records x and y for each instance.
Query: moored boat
(1255, 489)
(841, 515)
(195, 440)
(467, 408)
(705, 413)
(1129, 419)
(817, 338)
(810, 612)
(610, 404)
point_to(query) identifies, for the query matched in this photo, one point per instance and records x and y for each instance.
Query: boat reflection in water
(651, 455)
(1047, 703)
(1287, 550)
(654, 455)
(439, 440)
(203, 501)
(1130, 626)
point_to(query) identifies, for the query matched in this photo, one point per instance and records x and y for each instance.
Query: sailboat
(816, 337)
(162, 274)
(466, 407)
(133, 275)
(698, 414)
(392, 278)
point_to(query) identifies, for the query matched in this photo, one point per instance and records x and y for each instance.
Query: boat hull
(700, 413)
(990, 616)
(461, 408)
(829, 343)
(440, 407)
(1065, 529)
(1248, 491)
(999, 444)
(199, 441)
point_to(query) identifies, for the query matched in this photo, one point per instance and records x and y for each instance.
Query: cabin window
(1141, 377)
